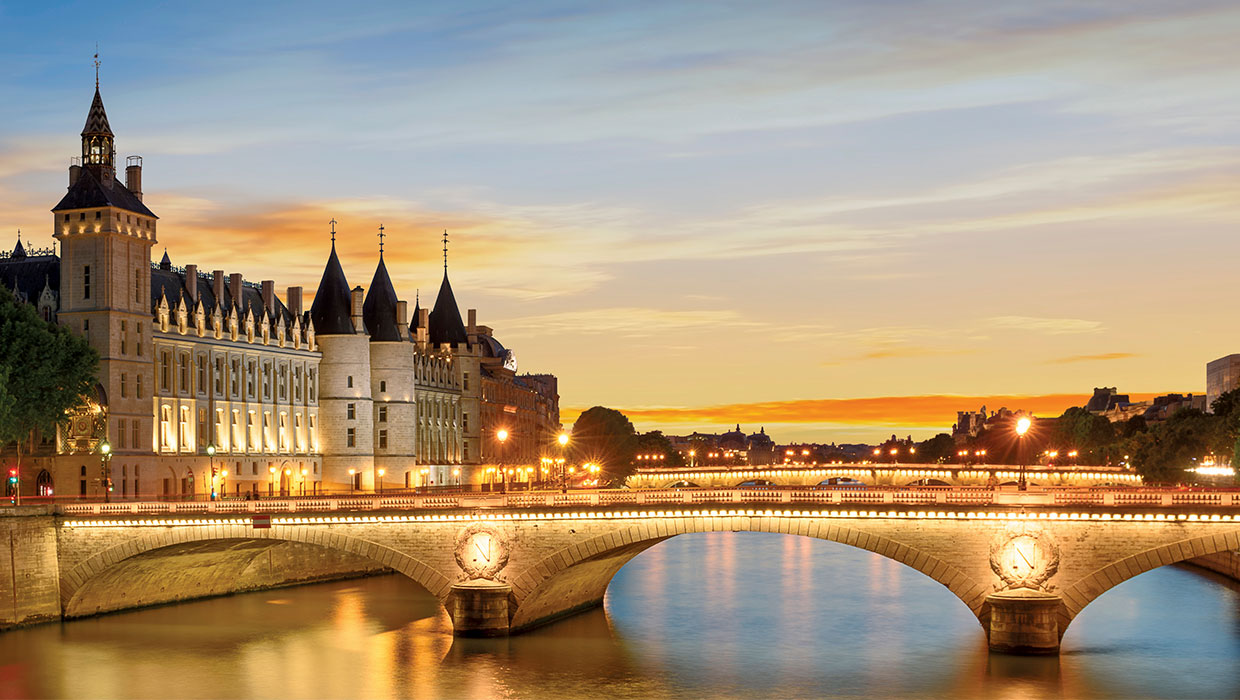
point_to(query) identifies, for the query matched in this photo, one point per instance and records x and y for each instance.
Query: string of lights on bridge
(628, 515)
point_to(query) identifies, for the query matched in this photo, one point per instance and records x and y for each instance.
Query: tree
(655, 442)
(1165, 451)
(45, 370)
(607, 438)
(938, 449)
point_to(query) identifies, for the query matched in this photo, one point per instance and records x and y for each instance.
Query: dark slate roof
(27, 275)
(19, 252)
(89, 192)
(445, 320)
(491, 347)
(171, 285)
(379, 309)
(97, 118)
(166, 262)
(330, 310)
(417, 311)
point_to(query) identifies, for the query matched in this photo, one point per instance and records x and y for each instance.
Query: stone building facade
(212, 385)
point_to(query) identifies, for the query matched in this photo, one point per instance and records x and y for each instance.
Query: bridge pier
(480, 609)
(1024, 621)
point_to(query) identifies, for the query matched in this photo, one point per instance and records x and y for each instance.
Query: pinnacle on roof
(379, 309)
(97, 117)
(19, 253)
(445, 319)
(165, 263)
(331, 309)
(417, 311)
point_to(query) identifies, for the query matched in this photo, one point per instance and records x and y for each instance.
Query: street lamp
(456, 474)
(1022, 427)
(692, 458)
(223, 483)
(563, 440)
(271, 485)
(380, 472)
(502, 436)
(304, 472)
(211, 456)
(286, 484)
(105, 473)
(352, 480)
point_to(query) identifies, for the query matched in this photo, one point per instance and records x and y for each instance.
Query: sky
(835, 220)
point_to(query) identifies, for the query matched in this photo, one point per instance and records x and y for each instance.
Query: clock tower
(106, 234)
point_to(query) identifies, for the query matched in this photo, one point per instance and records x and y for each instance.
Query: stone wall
(29, 572)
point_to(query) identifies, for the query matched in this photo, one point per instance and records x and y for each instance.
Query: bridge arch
(576, 577)
(77, 578)
(1086, 590)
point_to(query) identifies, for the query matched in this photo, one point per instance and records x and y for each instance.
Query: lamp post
(271, 485)
(502, 436)
(1022, 427)
(211, 457)
(352, 480)
(563, 440)
(380, 473)
(692, 459)
(288, 479)
(105, 472)
(456, 475)
(223, 483)
(304, 472)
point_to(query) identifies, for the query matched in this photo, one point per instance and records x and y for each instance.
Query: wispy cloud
(1100, 357)
(1050, 326)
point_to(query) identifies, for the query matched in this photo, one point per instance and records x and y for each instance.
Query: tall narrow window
(138, 385)
(137, 435)
(351, 437)
(124, 385)
(383, 414)
(137, 286)
(351, 411)
(350, 382)
(383, 439)
(124, 337)
(86, 282)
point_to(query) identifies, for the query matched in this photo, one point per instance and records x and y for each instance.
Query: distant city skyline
(838, 222)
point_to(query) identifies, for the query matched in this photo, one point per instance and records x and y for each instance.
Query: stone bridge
(879, 475)
(507, 563)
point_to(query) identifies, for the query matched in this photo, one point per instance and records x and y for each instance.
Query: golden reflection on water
(718, 615)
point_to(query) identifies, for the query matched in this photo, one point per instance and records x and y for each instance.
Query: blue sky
(693, 205)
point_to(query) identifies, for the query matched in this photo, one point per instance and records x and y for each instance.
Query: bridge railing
(841, 496)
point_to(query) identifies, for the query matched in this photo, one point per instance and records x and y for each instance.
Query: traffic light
(13, 476)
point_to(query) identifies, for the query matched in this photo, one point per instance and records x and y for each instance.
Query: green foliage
(1083, 431)
(45, 370)
(605, 437)
(654, 442)
(938, 449)
(1165, 451)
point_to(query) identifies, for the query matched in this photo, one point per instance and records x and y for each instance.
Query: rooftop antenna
(96, 65)
(445, 251)
(333, 223)
(381, 235)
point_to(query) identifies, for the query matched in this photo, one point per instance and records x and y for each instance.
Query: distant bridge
(880, 475)
(1024, 563)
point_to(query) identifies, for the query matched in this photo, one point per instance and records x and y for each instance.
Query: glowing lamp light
(563, 439)
(1022, 425)
(501, 435)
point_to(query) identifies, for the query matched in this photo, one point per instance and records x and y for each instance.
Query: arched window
(43, 484)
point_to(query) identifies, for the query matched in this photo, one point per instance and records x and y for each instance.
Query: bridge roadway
(1024, 563)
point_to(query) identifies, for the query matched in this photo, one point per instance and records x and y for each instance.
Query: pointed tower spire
(98, 146)
(19, 252)
(381, 234)
(379, 308)
(445, 251)
(331, 311)
(445, 319)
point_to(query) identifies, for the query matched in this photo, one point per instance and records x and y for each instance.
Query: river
(717, 615)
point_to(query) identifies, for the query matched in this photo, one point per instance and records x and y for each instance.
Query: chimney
(269, 296)
(191, 283)
(424, 323)
(294, 301)
(217, 288)
(234, 288)
(355, 299)
(472, 329)
(133, 176)
(402, 319)
(75, 171)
